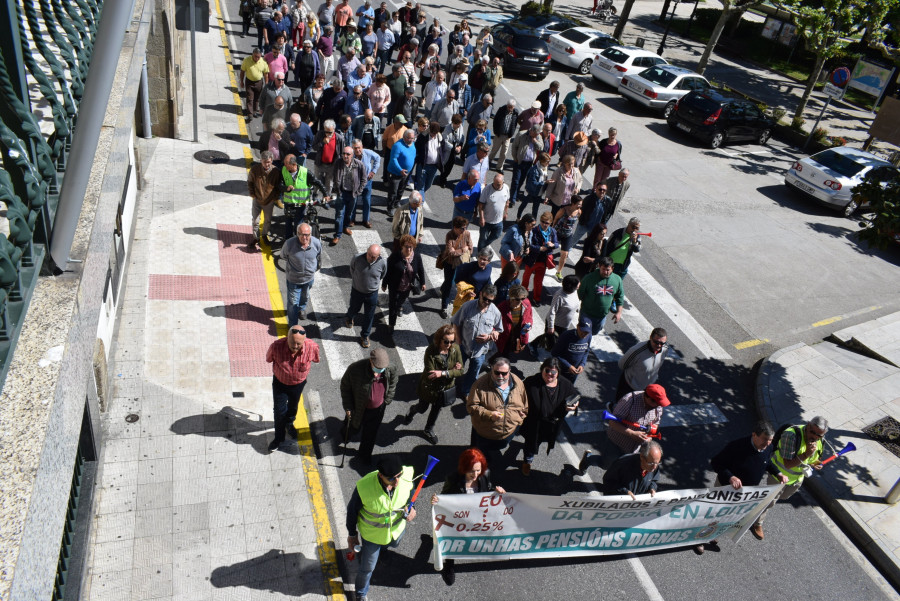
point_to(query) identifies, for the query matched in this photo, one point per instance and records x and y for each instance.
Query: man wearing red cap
(642, 408)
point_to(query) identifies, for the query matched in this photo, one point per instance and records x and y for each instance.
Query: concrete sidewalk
(853, 391)
(191, 505)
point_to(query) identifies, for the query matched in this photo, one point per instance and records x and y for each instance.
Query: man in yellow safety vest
(377, 516)
(296, 183)
(797, 453)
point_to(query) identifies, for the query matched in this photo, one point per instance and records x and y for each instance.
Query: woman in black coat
(404, 273)
(472, 476)
(548, 395)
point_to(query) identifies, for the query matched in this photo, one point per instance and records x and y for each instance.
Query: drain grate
(886, 432)
(212, 157)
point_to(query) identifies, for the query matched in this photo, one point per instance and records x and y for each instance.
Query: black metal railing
(45, 56)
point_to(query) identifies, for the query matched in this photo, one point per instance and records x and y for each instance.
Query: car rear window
(575, 36)
(659, 76)
(843, 164)
(701, 103)
(615, 55)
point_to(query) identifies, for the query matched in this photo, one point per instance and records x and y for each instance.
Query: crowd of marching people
(350, 97)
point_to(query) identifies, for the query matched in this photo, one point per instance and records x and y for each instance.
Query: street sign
(840, 76)
(832, 91)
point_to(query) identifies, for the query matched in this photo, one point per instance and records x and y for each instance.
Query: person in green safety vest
(296, 182)
(797, 454)
(377, 516)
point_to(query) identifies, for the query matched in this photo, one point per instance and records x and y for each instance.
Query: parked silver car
(659, 87)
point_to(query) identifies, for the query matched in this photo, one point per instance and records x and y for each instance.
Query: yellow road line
(750, 343)
(324, 537)
(825, 322)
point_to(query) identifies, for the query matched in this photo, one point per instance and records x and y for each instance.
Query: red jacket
(525, 325)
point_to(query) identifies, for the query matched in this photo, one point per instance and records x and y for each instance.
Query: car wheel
(851, 208)
(667, 111)
(717, 139)
(585, 67)
(764, 136)
(671, 124)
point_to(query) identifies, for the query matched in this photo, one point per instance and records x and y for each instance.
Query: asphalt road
(738, 256)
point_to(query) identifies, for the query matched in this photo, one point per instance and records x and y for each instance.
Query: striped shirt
(631, 407)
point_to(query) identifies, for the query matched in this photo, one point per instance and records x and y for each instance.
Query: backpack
(777, 438)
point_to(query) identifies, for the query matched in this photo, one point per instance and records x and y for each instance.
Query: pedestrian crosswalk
(415, 324)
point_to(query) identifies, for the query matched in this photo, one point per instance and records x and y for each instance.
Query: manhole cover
(132, 417)
(886, 432)
(211, 156)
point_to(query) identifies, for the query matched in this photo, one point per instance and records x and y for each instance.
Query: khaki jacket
(484, 399)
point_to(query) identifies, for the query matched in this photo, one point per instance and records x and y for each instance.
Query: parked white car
(661, 86)
(578, 46)
(617, 61)
(830, 176)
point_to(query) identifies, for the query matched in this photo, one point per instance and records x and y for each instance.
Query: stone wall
(165, 64)
(50, 393)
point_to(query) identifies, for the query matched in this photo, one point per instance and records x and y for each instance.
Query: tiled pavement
(190, 506)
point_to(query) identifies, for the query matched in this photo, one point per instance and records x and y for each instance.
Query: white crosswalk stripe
(685, 322)
(409, 336)
(328, 296)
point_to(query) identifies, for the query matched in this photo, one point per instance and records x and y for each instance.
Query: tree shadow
(831, 230)
(228, 423)
(232, 137)
(290, 574)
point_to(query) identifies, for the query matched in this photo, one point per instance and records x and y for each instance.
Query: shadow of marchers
(245, 311)
(289, 574)
(229, 423)
(207, 232)
(224, 107)
(233, 186)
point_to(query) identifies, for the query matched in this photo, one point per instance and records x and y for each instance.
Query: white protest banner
(491, 526)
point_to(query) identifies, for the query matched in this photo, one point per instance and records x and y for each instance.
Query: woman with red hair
(472, 476)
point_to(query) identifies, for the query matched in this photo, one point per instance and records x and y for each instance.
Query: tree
(825, 25)
(881, 224)
(730, 8)
(623, 19)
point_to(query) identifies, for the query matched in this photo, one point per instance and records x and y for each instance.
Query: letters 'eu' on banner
(492, 527)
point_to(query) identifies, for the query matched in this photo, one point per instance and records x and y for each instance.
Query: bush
(838, 141)
(531, 8)
(797, 123)
(778, 114)
(881, 224)
(820, 134)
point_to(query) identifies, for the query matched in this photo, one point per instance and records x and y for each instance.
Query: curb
(871, 545)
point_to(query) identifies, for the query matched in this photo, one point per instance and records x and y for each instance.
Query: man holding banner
(377, 517)
(798, 452)
(636, 473)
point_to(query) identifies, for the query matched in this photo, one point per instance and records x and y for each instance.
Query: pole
(114, 20)
(662, 44)
(894, 495)
(194, 67)
(814, 127)
(145, 102)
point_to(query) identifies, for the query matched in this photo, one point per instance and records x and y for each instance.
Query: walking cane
(345, 432)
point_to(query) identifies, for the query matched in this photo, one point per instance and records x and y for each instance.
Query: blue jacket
(535, 242)
(465, 100)
(512, 242)
(571, 350)
(534, 180)
(302, 138)
(402, 157)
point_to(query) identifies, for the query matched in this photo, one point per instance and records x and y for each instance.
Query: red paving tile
(249, 322)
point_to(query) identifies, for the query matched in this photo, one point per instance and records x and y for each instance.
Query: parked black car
(717, 117)
(544, 25)
(521, 50)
